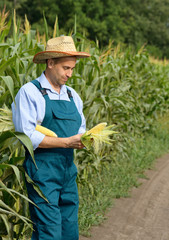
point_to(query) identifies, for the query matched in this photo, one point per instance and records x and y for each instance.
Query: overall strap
(38, 85)
(69, 94)
(43, 90)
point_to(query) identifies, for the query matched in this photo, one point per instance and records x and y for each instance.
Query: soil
(143, 216)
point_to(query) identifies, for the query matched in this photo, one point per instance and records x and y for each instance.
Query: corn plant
(16, 55)
(117, 86)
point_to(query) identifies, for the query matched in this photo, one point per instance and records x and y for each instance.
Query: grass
(116, 180)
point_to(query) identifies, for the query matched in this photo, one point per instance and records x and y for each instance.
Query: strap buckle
(43, 91)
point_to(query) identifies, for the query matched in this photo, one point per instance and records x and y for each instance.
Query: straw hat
(59, 47)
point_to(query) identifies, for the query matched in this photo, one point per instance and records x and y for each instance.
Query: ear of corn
(98, 128)
(97, 136)
(45, 131)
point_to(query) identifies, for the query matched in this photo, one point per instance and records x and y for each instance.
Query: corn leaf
(10, 84)
(36, 187)
(6, 189)
(5, 208)
(19, 194)
(25, 140)
(16, 171)
(6, 63)
(6, 222)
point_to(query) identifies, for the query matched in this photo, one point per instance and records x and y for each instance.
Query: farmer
(49, 102)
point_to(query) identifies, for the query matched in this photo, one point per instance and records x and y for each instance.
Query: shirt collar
(45, 84)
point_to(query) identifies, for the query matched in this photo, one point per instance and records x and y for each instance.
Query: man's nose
(69, 73)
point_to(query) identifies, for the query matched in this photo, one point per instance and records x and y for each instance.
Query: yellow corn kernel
(45, 131)
(98, 128)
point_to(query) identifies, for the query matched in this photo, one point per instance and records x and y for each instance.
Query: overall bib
(56, 175)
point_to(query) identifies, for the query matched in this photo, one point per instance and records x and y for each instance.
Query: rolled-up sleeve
(26, 113)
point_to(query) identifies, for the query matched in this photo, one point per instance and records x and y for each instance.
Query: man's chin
(64, 82)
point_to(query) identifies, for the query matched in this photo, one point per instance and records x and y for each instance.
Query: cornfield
(117, 86)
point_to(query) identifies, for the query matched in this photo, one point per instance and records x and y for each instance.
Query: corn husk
(95, 138)
(6, 122)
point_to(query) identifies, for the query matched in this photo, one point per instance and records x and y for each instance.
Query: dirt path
(144, 216)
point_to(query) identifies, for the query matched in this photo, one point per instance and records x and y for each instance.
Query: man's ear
(50, 63)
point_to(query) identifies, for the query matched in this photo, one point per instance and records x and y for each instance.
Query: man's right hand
(75, 142)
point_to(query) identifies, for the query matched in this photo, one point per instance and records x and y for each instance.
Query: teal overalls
(56, 175)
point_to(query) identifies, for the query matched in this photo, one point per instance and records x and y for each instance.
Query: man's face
(60, 70)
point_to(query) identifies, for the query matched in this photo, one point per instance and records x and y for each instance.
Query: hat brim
(41, 57)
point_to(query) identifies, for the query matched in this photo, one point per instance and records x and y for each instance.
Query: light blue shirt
(30, 108)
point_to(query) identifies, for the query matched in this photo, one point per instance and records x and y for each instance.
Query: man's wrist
(67, 142)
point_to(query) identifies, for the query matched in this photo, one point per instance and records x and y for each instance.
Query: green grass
(119, 177)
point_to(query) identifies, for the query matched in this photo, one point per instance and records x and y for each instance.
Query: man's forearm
(55, 142)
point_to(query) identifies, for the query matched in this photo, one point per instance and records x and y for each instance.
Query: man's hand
(75, 142)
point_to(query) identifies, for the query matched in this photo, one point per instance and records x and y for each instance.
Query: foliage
(131, 21)
(117, 85)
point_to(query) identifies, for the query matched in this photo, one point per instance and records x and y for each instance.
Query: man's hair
(56, 60)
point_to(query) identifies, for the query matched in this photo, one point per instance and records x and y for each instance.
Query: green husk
(6, 123)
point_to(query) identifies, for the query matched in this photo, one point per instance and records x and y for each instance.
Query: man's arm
(69, 142)
(29, 108)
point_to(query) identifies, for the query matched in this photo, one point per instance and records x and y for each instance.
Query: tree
(132, 22)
